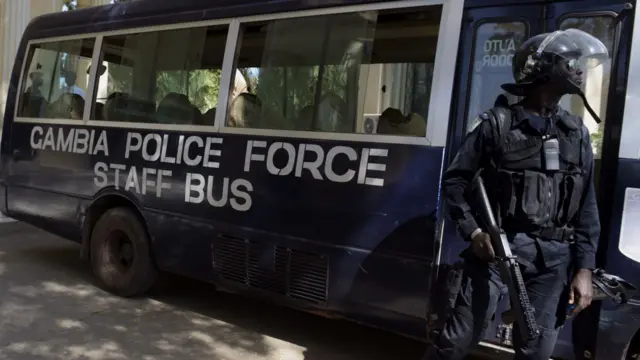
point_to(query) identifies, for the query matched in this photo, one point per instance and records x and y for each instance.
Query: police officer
(537, 163)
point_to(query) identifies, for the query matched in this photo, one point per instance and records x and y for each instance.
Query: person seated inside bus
(67, 106)
(71, 87)
(34, 104)
(176, 108)
(245, 111)
(209, 117)
(393, 122)
(115, 101)
(125, 108)
(98, 111)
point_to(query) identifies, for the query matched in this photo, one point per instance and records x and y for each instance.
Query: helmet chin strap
(578, 91)
(589, 109)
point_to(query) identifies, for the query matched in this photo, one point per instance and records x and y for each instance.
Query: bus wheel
(120, 253)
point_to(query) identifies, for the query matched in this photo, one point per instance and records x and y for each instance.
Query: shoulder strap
(501, 119)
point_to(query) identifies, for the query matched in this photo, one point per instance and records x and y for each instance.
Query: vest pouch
(537, 194)
(572, 188)
(505, 193)
(570, 147)
(572, 181)
(522, 154)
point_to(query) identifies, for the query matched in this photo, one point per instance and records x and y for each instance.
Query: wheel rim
(120, 253)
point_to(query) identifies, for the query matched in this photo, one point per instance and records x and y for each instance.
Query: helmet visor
(585, 49)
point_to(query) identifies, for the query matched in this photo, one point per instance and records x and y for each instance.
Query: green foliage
(596, 138)
(69, 5)
(120, 79)
(286, 91)
(201, 86)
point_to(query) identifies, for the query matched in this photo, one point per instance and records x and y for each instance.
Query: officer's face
(571, 68)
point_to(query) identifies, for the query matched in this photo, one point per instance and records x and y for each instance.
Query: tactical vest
(529, 198)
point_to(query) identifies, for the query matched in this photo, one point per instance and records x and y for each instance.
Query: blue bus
(337, 119)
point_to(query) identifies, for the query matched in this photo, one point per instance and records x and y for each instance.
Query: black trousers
(480, 291)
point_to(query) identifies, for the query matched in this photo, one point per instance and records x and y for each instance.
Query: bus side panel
(389, 292)
(6, 149)
(365, 249)
(45, 188)
(325, 222)
(618, 325)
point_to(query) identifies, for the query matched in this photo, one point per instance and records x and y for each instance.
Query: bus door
(490, 37)
(604, 89)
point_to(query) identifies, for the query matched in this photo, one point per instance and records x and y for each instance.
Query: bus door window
(165, 77)
(56, 79)
(366, 72)
(595, 81)
(495, 43)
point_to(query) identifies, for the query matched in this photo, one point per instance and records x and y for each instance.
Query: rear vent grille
(297, 274)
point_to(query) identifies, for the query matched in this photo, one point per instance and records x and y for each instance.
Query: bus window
(495, 44)
(596, 80)
(164, 77)
(366, 72)
(55, 79)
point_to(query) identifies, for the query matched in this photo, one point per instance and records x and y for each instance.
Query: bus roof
(144, 13)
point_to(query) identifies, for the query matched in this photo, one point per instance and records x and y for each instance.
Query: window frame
(439, 101)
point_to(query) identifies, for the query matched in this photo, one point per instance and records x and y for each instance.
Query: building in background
(14, 18)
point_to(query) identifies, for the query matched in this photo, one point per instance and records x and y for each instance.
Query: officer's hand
(581, 290)
(481, 246)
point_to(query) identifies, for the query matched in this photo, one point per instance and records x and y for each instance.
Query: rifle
(509, 269)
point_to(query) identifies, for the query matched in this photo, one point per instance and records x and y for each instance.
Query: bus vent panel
(297, 274)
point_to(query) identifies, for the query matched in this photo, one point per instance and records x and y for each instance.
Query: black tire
(121, 256)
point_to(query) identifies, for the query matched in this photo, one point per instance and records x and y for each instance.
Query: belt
(554, 233)
(546, 233)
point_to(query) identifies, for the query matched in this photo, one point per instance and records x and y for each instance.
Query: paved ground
(50, 309)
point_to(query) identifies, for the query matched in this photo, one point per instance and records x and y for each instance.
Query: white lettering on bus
(291, 158)
(296, 163)
(351, 154)
(196, 183)
(79, 141)
(312, 166)
(155, 147)
(150, 178)
(338, 164)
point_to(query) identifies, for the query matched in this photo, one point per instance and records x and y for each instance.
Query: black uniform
(547, 208)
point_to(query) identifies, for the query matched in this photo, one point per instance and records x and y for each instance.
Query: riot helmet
(559, 59)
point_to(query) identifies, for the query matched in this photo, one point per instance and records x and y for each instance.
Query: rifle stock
(509, 270)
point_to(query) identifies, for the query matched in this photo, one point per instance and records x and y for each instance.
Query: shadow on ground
(50, 309)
